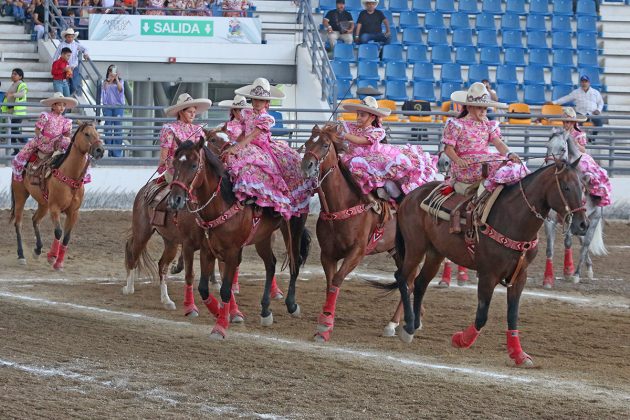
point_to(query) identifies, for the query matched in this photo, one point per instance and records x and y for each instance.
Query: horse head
(188, 163)
(318, 147)
(561, 146)
(567, 199)
(217, 140)
(87, 140)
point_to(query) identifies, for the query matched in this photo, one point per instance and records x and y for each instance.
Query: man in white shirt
(588, 101)
(69, 41)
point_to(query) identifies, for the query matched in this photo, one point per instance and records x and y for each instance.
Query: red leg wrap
(446, 273)
(236, 288)
(569, 269)
(276, 292)
(515, 351)
(189, 301)
(462, 274)
(224, 315)
(213, 305)
(465, 339)
(234, 312)
(548, 279)
(54, 250)
(331, 300)
(58, 265)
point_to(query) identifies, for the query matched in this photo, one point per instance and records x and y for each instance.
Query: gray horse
(562, 146)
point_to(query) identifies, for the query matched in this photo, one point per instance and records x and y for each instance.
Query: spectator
(588, 101)
(339, 24)
(120, 8)
(69, 41)
(15, 94)
(235, 8)
(177, 7)
(86, 9)
(61, 72)
(113, 95)
(493, 95)
(19, 14)
(106, 6)
(39, 15)
(369, 24)
(198, 8)
(155, 7)
(7, 8)
(131, 6)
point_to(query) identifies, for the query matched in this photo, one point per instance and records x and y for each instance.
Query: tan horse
(65, 194)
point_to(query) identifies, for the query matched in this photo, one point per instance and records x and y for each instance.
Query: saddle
(155, 199)
(38, 168)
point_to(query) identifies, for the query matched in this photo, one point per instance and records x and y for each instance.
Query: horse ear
(576, 162)
(178, 142)
(201, 142)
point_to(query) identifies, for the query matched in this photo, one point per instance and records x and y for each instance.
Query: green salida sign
(176, 27)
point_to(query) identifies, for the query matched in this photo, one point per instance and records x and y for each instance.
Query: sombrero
(239, 102)
(476, 95)
(186, 101)
(368, 1)
(260, 89)
(69, 31)
(58, 97)
(369, 105)
(569, 114)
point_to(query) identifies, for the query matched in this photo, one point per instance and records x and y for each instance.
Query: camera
(114, 70)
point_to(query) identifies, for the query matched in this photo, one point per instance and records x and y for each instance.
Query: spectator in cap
(338, 24)
(588, 101)
(369, 24)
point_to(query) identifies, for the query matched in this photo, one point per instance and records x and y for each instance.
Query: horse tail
(597, 246)
(145, 263)
(400, 253)
(305, 246)
(400, 243)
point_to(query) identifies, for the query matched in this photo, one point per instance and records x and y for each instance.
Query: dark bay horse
(65, 191)
(505, 246)
(229, 226)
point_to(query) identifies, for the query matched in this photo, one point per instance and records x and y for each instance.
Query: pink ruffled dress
(234, 129)
(181, 131)
(471, 140)
(269, 170)
(599, 183)
(374, 163)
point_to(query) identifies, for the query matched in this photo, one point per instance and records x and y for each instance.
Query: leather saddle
(155, 199)
(39, 168)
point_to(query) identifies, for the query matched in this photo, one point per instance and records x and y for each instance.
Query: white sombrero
(239, 102)
(260, 89)
(69, 31)
(569, 114)
(476, 95)
(186, 101)
(58, 97)
(369, 105)
(368, 1)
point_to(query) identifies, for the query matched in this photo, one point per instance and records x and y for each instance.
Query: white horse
(562, 146)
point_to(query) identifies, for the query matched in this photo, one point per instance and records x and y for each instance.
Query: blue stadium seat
(392, 53)
(396, 90)
(353, 5)
(417, 53)
(325, 5)
(412, 36)
(441, 54)
(507, 93)
(445, 6)
(466, 55)
(563, 58)
(561, 40)
(492, 6)
(539, 7)
(512, 39)
(563, 7)
(447, 89)
(396, 70)
(343, 89)
(485, 21)
(561, 76)
(368, 52)
(368, 70)
(434, 20)
(536, 23)
(408, 19)
(462, 38)
(389, 16)
(539, 57)
(366, 83)
(586, 8)
(355, 14)
(587, 24)
(561, 24)
(515, 6)
(423, 72)
(468, 6)
(586, 41)
(394, 40)
(534, 94)
(421, 6)
(437, 36)
(515, 57)
(490, 56)
(587, 58)
(451, 72)
(460, 20)
(534, 75)
(559, 91)
(506, 75)
(537, 39)
(477, 73)
(278, 128)
(593, 74)
(487, 38)
(511, 22)
(398, 5)
(342, 70)
(423, 91)
(343, 52)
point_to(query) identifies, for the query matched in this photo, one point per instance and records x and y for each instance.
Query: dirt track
(73, 345)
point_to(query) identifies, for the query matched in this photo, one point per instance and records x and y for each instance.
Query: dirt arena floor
(71, 345)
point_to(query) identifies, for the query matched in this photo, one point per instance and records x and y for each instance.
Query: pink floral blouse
(470, 137)
(263, 121)
(234, 129)
(55, 130)
(374, 135)
(168, 134)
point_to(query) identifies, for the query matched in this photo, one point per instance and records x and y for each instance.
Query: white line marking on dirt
(554, 384)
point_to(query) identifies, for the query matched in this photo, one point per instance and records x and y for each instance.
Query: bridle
(321, 178)
(196, 183)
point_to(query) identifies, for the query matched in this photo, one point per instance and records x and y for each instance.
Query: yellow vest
(17, 109)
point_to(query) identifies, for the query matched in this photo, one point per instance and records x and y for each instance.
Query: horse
(229, 226)
(562, 145)
(347, 229)
(62, 193)
(500, 249)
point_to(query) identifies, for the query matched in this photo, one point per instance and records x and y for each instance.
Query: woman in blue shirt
(113, 97)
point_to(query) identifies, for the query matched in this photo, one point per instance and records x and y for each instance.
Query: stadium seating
(388, 104)
(466, 55)
(492, 6)
(506, 74)
(507, 93)
(396, 70)
(512, 39)
(417, 54)
(445, 6)
(534, 94)
(549, 109)
(563, 58)
(423, 91)
(519, 108)
(534, 75)
(511, 22)
(412, 36)
(462, 38)
(536, 39)
(536, 23)
(539, 57)
(408, 19)
(490, 56)
(561, 40)
(515, 57)
(563, 7)
(398, 6)
(587, 58)
(559, 91)
(586, 41)
(586, 8)
(515, 6)
(487, 38)
(539, 7)
(434, 20)
(485, 21)
(451, 72)
(561, 76)
(368, 52)
(468, 6)
(460, 20)
(477, 73)
(423, 72)
(368, 70)
(342, 70)
(447, 89)
(441, 54)
(587, 24)
(392, 53)
(343, 52)
(396, 90)
(421, 6)
(561, 23)
(437, 36)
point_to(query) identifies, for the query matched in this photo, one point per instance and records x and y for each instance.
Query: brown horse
(347, 227)
(200, 177)
(64, 194)
(506, 244)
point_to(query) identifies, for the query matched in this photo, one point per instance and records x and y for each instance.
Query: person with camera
(113, 97)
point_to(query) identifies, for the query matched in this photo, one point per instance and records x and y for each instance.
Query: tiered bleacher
(531, 51)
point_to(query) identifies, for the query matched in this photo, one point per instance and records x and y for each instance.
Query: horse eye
(565, 187)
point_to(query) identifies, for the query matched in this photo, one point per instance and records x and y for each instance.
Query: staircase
(17, 50)
(616, 35)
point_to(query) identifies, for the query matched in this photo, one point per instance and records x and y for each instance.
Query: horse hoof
(35, 255)
(217, 286)
(192, 314)
(419, 326)
(237, 318)
(58, 267)
(236, 289)
(22, 261)
(322, 337)
(297, 313)
(547, 286)
(277, 295)
(127, 290)
(589, 274)
(168, 305)
(443, 285)
(404, 336)
(390, 330)
(267, 321)
(575, 279)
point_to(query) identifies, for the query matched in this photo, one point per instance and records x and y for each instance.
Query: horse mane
(352, 183)
(529, 178)
(60, 159)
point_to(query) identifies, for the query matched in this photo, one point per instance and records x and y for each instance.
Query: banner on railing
(175, 28)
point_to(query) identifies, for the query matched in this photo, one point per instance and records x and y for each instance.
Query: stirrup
(248, 201)
(382, 194)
